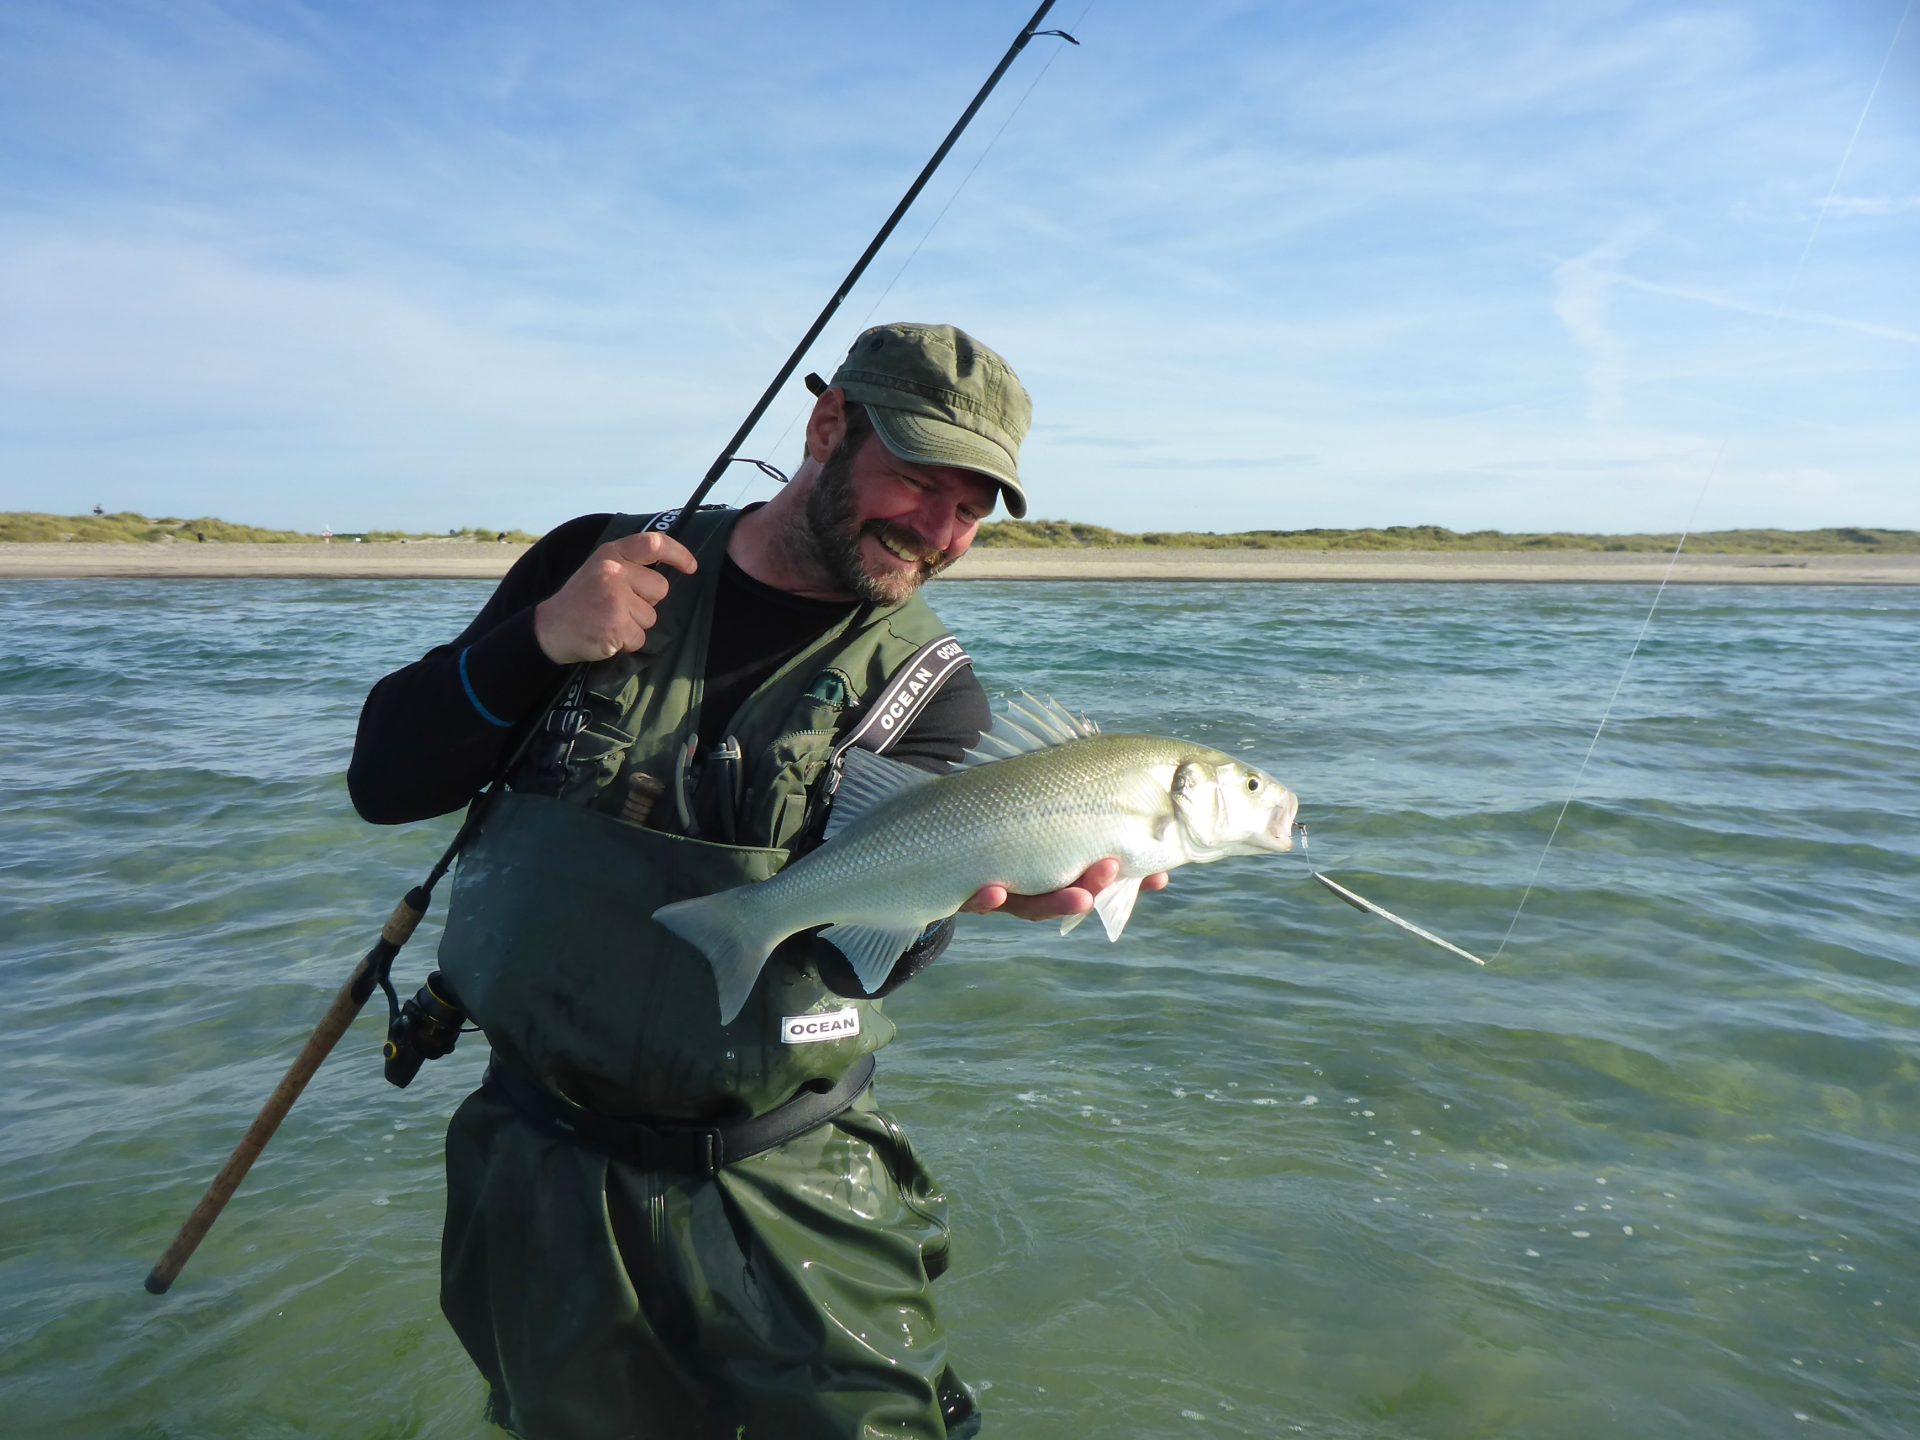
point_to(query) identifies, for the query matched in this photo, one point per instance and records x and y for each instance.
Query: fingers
(986, 899)
(1100, 874)
(1073, 899)
(1056, 905)
(650, 548)
(610, 603)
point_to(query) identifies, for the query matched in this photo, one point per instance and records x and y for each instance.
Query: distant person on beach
(659, 1225)
(326, 535)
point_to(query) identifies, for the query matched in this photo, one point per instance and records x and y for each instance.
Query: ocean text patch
(823, 1025)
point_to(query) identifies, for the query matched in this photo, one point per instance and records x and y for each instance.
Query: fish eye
(1253, 784)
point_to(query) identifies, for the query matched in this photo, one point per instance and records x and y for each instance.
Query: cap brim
(927, 441)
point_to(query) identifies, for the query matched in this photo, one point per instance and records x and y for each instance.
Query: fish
(1042, 796)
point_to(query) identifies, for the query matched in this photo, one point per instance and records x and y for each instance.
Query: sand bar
(465, 560)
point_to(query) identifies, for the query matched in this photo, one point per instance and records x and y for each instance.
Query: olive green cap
(939, 397)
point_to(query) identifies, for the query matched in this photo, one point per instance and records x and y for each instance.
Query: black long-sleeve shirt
(433, 734)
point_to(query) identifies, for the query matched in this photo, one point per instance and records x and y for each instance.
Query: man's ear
(827, 426)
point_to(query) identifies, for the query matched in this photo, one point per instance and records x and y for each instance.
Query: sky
(1594, 266)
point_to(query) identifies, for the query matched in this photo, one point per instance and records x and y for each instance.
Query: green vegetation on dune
(1067, 534)
(28, 527)
(125, 527)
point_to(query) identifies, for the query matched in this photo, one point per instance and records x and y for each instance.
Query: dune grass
(1066, 534)
(124, 526)
(28, 527)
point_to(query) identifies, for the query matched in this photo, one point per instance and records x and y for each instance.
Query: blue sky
(1261, 264)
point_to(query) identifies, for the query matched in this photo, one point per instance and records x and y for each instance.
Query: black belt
(674, 1145)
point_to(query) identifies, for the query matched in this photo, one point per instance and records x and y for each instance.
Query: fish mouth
(1279, 832)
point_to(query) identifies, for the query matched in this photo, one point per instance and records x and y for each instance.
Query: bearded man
(659, 1225)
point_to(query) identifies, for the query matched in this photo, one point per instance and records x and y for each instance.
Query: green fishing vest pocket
(599, 749)
(782, 782)
(551, 945)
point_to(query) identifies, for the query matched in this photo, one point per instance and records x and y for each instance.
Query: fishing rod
(427, 1026)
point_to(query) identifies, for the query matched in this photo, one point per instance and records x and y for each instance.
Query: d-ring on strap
(673, 1145)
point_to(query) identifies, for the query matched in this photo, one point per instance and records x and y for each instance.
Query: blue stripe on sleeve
(474, 700)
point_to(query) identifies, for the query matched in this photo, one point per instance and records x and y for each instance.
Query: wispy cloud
(1581, 287)
(1781, 313)
(1843, 206)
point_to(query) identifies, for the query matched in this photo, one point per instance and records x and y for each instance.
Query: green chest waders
(601, 1297)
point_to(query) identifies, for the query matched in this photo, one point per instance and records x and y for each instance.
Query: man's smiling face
(884, 526)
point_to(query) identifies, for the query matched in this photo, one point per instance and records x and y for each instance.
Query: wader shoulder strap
(901, 699)
(904, 696)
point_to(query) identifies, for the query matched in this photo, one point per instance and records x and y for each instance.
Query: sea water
(1267, 1167)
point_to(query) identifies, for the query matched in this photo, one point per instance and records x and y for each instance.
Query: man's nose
(935, 522)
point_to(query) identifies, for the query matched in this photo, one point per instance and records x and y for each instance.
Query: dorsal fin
(1027, 724)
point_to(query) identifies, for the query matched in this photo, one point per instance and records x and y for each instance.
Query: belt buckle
(689, 1149)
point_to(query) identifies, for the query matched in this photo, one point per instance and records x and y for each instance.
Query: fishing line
(919, 244)
(1713, 470)
(981, 159)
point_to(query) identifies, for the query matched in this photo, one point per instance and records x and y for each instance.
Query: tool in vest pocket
(722, 779)
(643, 793)
(682, 786)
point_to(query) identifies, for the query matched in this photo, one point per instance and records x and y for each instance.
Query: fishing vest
(550, 940)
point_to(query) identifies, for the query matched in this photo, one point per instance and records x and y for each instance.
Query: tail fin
(722, 928)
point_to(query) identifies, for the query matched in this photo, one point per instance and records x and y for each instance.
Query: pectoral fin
(871, 951)
(1115, 905)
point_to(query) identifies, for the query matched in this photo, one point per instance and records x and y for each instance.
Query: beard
(833, 536)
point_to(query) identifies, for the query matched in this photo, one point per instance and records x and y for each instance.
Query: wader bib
(601, 1297)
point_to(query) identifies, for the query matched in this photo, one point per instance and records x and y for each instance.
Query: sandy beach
(467, 561)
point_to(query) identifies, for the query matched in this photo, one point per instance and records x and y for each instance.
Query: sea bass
(1044, 797)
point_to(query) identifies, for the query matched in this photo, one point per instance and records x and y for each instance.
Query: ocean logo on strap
(822, 1025)
(904, 697)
